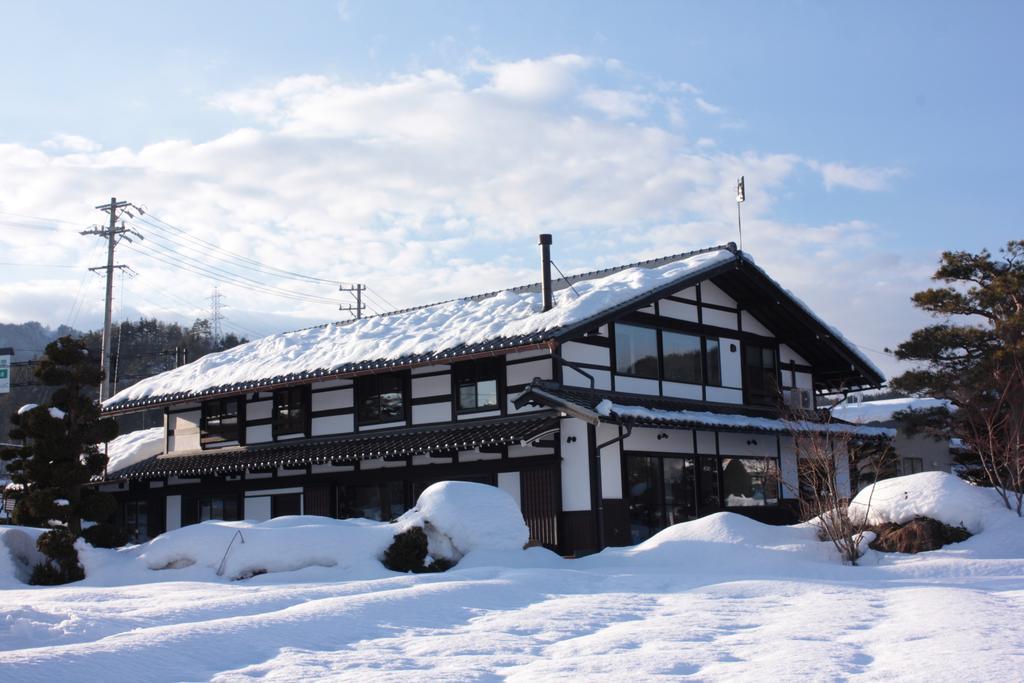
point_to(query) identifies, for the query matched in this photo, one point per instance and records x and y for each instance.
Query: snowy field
(719, 598)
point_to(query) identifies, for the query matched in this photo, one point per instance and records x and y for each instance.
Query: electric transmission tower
(113, 233)
(216, 317)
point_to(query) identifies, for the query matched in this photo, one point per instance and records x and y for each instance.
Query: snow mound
(134, 447)
(939, 495)
(460, 517)
(720, 543)
(240, 550)
(18, 555)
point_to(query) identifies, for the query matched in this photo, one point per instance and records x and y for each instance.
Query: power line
(182, 238)
(238, 280)
(155, 242)
(250, 261)
(39, 218)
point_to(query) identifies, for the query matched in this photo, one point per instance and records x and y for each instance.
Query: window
(284, 504)
(682, 357)
(476, 385)
(381, 398)
(636, 351)
(661, 493)
(714, 363)
(218, 507)
(750, 482)
(291, 407)
(136, 521)
(913, 465)
(382, 502)
(760, 375)
(221, 421)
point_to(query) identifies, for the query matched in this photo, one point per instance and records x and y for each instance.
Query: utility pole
(356, 290)
(113, 234)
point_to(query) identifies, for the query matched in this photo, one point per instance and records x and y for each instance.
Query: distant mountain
(29, 339)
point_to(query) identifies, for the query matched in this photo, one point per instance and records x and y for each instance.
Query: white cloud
(706, 106)
(857, 177)
(428, 185)
(535, 79)
(617, 104)
(63, 142)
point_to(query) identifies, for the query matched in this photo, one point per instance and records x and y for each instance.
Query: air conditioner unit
(800, 399)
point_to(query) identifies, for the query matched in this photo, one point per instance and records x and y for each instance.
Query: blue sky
(872, 135)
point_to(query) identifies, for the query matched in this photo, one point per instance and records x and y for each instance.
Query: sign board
(6, 357)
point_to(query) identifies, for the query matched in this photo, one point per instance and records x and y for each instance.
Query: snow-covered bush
(937, 495)
(459, 517)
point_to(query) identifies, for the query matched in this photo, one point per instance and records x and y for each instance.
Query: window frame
(302, 414)
(359, 394)
(659, 338)
(219, 435)
(615, 351)
(758, 396)
(224, 498)
(701, 351)
(498, 368)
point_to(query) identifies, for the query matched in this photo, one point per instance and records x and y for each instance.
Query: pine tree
(975, 359)
(59, 460)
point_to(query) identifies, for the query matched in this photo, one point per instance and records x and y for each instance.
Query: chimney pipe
(545, 282)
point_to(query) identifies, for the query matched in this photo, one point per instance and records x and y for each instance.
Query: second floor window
(476, 385)
(686, 358)
(760, 374)
(636, 351)
(682, 358)
(291, 407)
(221, 421)
(381, 398)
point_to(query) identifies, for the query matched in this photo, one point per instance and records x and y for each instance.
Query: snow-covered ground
(719, 598)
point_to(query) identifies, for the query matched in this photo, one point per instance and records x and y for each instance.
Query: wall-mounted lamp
(570, 439)
(751, 442)
(732, 348)
(662, 435)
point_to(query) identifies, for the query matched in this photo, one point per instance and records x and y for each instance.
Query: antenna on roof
(741, 196)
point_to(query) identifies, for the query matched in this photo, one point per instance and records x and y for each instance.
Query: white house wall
(575, 465)
(611, 461)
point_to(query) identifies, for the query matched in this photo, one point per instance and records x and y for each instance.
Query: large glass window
(381, 398)
(760, 374)
(750, 482)
(220, 421)
(476, 384)
(291, 407)
(661, 492)
(218, 507)
(636, 351)
(686, 358)
(682, 357)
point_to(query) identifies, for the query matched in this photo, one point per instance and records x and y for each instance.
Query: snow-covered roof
(882, 411)
(134, 447)
(734, 421)
(487, 323)
(500, 320)
(836, 334)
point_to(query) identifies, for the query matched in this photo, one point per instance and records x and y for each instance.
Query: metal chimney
(545, 282)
